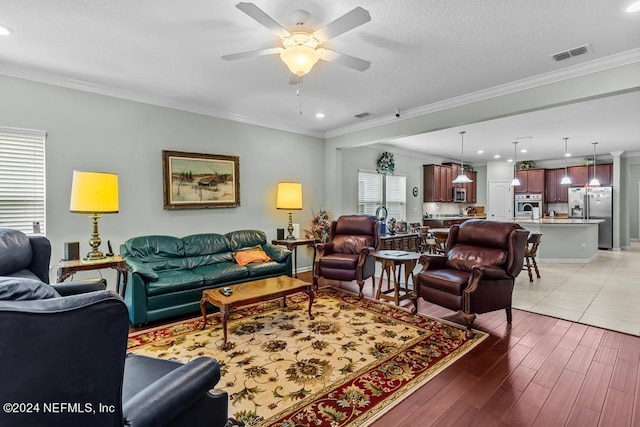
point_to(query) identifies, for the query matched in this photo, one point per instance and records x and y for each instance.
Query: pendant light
(565, 180)
(594, 182)
(462, 178)
(515, 182)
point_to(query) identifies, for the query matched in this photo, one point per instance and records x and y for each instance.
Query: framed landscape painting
(199, 181)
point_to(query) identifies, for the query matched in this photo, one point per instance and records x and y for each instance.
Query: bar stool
(530, 252)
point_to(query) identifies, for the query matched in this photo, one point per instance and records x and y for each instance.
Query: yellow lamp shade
(289, 196)
(94, 192)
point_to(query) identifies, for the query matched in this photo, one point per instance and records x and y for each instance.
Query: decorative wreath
(386, 163)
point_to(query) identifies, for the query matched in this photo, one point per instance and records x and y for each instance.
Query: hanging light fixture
(594, 181)
(515, 182)
(565, 180)
(462, 178)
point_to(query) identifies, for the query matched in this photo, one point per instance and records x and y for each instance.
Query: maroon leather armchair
(347, 254)
(477, 272)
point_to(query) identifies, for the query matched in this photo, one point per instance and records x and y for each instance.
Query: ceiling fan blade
(346, 60)
(258, 14)
(346, 22)
(251, 53)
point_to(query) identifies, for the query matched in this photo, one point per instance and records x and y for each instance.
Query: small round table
(389, 260)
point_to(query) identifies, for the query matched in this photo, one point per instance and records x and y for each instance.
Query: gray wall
(86, 131)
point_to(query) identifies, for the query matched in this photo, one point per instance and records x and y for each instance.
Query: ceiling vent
(362, 115)
(580, 50)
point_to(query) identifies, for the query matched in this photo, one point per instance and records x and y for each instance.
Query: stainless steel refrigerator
(594, 203)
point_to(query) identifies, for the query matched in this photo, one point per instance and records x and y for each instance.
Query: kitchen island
(565, 240)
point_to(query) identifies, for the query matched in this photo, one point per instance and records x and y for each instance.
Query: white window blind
(22, 186)
(376, 190)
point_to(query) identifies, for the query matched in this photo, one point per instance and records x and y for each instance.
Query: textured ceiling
(168, 52)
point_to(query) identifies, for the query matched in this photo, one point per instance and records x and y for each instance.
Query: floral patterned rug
(347, 367)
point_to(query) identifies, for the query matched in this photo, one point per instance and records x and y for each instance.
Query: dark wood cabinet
(579, 175)
(438, 183)
(604, 173)
(409, 242)
(531, 181)
(554, 192)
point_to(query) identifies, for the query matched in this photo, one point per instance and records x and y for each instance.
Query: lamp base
(290, 229)
(95, 241)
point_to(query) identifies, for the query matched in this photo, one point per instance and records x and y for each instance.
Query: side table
(389, 261)
(68, 268)
(292, 245)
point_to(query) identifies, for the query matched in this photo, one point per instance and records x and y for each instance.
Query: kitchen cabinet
(531, 181)
(446, 222)
(409, 242)
(579, 175)
(604, 173)
(437, 183)
(471, 188)
(554, 192)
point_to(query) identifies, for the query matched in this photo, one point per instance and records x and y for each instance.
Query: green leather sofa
(168, 274)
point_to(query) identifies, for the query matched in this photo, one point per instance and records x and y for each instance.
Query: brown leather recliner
(347, 254)
(478, 270)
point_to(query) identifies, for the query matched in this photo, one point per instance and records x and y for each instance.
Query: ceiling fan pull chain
(299, 95)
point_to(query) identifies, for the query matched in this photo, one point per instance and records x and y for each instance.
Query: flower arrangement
(319, 230)
(386, 163)
(527, 164)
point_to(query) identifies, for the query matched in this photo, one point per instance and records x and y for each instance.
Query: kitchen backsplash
(436, 208)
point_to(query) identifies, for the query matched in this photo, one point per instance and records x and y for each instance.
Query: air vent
(580, 50)
(362, 115)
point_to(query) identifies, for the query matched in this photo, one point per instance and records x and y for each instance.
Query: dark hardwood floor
(538, 371)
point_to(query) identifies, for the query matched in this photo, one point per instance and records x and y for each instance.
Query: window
(375, 190)
(22, 192)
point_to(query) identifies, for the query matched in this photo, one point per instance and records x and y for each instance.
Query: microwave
(459, 195)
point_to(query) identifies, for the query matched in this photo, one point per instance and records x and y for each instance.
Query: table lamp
(289, 198)
(94, 193)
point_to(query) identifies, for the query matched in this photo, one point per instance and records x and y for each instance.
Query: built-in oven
(528, 205)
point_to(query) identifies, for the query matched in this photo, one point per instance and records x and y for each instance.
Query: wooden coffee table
(250, 293)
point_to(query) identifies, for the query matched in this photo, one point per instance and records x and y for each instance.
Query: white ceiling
(168, 52)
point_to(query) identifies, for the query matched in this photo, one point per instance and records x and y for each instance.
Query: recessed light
(567, 155)
(320, 115)
(509, 160)
(524, 150)
(480, 151)
(5, 31)
(497, 156)
(633, 7)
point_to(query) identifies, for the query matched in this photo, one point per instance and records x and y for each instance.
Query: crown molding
(573, 71)
(40, 76)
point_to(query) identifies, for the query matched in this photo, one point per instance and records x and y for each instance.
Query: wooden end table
(292, 245)
(250, 293)
(68, 268)
(389, 261)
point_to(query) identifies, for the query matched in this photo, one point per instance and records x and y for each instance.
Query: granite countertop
(559, 221)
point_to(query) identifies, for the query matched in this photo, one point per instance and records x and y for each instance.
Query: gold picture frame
(200, 181)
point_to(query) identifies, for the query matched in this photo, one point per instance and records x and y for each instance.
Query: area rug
(347, 367)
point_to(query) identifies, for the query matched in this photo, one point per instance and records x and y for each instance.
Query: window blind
(22, 179)
(376, 190)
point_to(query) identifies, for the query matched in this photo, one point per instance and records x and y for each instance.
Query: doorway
(500, 206)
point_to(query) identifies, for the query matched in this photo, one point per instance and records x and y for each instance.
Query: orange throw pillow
(246, 257)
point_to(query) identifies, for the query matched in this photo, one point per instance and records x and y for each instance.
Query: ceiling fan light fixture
(300, 53)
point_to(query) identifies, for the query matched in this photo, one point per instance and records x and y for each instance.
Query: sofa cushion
(349, 244)
(246, 238)
(21, 289)
(221, 273)
(173, 281)
(269, 268)
(339, 260)
(155, 248)
(15, 248)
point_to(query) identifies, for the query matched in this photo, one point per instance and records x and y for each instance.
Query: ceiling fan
(303, 47)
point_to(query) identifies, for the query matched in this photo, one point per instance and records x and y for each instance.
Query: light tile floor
(604, 293)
